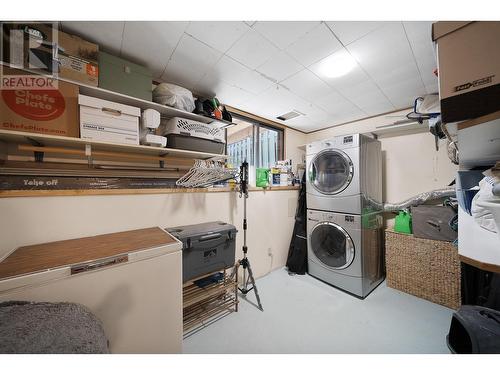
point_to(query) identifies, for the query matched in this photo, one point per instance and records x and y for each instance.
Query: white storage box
(182, 126)
(102, 120)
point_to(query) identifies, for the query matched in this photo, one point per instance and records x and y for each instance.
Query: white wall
(411, 163)
(294, 139)
(32, 220)
(25, 221)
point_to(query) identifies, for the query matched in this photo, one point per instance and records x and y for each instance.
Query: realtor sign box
(42, 48)
(36, 104)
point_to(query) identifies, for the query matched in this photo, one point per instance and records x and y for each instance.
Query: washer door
(332, 245)
(330, 171)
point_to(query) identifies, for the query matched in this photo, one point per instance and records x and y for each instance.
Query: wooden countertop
(481, 265)
(36, 258)
(51, 193)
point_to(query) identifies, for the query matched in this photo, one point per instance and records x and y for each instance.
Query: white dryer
(344, 174)
(345, 250)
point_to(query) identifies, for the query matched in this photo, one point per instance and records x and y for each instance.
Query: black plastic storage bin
(474, 330)
(186, 142)
(206, 247)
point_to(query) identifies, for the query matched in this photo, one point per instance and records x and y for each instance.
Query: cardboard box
(469, 68)
(47, 111)
(102, 120)
(77, 59)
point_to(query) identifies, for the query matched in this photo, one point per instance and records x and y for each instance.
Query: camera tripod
(248, 280)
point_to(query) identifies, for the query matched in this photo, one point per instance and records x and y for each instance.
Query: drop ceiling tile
(403, 93)
(280, 97)
(383, 50)
(398, 74)
(279, 67)
(368, 97)
(352, 116)
(283, 33)
(303, 124)
(432, 89)
(236, 74)
(419, 35)
(317, 115)
(306, 85)
(220, 35)
(254, 82)
(226, 93)
(185, 66)
(314, 45)
(151, 43)
(350, 31)
(336, 105)
(252, 50)
(108, 34)
(260, 106)
(355, 76)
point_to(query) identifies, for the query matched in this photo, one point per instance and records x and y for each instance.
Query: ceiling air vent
(289, 115)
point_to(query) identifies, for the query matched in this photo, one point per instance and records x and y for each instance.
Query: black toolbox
(206, 247)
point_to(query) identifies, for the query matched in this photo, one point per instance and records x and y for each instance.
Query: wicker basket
(427, 269)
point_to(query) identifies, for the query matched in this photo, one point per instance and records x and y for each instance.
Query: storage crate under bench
(425, 268)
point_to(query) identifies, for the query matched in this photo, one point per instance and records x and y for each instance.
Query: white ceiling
(269, 68)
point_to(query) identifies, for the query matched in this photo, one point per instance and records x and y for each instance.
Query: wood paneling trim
(56, 193)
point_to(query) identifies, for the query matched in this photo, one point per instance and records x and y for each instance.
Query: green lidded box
(125, 77)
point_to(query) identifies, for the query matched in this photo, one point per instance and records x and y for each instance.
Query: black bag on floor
(474, 330)
(297, 252)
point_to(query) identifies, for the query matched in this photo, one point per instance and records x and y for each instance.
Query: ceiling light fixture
(336, 65)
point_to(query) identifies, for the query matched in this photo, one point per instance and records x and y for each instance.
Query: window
(260, 145)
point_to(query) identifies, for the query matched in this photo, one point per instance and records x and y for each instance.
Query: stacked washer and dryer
(344, 217)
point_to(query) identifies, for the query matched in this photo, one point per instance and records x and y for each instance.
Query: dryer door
(332, 245)
(330, 171)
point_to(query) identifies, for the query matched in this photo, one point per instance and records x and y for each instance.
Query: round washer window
(332, 245)
(330, 171)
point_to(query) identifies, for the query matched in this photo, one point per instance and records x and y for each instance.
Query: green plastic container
(262, 177)
(119, 75)
(403, 222)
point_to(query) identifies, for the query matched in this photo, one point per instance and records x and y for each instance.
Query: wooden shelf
(164, 110)
(204, 305)
(481, 265)
(385, 131)
(11, 136)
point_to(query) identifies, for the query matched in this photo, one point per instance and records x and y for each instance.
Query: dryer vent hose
(420, 199)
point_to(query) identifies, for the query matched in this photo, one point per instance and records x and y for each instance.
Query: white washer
(345, 251)
(344, 174)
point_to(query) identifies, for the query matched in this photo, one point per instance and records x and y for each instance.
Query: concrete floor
(304, 315)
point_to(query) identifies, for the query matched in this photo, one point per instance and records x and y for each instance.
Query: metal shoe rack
(205, 305)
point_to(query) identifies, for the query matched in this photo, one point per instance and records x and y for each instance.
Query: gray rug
(56, 328)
